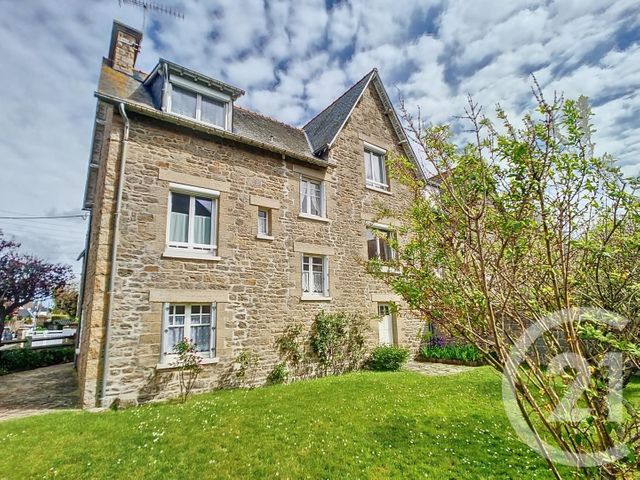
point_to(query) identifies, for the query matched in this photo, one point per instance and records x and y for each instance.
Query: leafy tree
(25, 278)
(526, 222)
(66, 300)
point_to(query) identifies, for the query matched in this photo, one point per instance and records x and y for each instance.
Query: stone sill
(315, 298)
(189, 255)
(265, 237)
(204, 361)
(379, 190)
(313, 217)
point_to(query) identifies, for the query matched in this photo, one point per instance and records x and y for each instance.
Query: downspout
(114, 251)
(164, 101)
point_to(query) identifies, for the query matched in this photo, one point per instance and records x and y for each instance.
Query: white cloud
(250, 72)
(289, 56)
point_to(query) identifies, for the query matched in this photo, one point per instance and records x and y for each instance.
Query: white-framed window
(315, 275)
(196, 102)
(193, 219)
(378, 246)
(312, 197)
(375, 167)
(264, 223)
(196, 322)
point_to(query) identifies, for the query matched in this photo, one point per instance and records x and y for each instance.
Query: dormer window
(200, 103)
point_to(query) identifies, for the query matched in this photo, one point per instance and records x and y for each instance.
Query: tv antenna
(148, 6)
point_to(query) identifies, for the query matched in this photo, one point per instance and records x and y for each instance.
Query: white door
(385, 325)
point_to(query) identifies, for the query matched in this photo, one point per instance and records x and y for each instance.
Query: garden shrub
(465, 353)
(388, 358)
(338, 341)
(189, 365)
(291, 348)
(279, 374)
(19, 359)
(247, 366)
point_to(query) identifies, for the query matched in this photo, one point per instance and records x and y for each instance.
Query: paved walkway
(42, 390)
(435, 369)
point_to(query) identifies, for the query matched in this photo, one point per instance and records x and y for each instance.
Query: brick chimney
(125, 45)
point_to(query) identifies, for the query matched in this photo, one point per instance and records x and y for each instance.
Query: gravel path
(42, 390)
(435, 369)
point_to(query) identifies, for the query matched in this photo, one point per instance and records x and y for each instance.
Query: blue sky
(293, 57)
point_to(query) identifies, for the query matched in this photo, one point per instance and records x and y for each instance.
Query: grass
(361, 425)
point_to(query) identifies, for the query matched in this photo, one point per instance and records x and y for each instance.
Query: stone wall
(255, 282)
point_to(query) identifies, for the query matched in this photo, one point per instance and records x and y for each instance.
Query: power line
(45, 225)
(41, 231)
(44, 217)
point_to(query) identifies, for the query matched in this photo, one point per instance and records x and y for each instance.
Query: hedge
(20, 359)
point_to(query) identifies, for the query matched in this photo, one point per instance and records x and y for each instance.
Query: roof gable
(322, 129)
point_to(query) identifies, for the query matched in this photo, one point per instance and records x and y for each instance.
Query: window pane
(377, 170)
(202, 221)
(372, 245)
(318, 283)
(183, 102)
(179, 203)
(315, 198)
(179, 221)
(201, 337)
(263, 224)
(304, 196)
(384, 250)
(387, 252)
(212, 111)
(306, 275)
(174, 335)
(367, 165)
(204, 206)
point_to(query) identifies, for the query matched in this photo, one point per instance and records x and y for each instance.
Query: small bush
(247, 367)
(465, 353)
(279, 374)
(388, 358)
(20, 359)
(189, 365)
(338, 341)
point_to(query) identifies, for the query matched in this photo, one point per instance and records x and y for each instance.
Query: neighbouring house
(32, 314)
(216, 223)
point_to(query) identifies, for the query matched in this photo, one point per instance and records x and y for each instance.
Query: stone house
(223, 225)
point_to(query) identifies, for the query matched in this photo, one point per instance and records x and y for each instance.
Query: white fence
(43, 339)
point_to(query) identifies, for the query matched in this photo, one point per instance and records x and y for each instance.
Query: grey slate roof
(246, 123)
(306, 143)
(264, 129)
(322, 129)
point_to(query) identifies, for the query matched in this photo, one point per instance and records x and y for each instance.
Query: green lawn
(362, 425)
